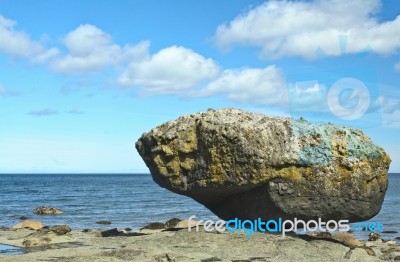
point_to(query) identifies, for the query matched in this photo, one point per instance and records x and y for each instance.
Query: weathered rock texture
(29, 224)
(248, 165)
(47, 211)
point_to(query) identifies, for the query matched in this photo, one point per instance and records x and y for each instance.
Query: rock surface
(171, 223)
(154, 226)
(47, 211)
(247, 165)
(60, 229)
(185, 246)
(29, 224)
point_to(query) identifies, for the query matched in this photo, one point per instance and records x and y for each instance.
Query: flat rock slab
(184, 246)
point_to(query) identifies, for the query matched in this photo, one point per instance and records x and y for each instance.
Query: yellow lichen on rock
(339, 144)
(242, 164)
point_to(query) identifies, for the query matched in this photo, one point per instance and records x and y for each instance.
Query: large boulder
(249, 166)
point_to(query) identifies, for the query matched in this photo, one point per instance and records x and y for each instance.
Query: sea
(127, 201)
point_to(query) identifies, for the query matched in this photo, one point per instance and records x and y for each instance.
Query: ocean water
(125, 200)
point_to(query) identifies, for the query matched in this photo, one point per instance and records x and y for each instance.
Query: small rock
(103, 222)
(60, 230)
(128, 229)
(211, 259)
(154, 226)
(370, 251)
(27, 243)
(35, 225)
(321, 235)
(172, 222)
(373, 236)
(391, 242)
(185, 224)
(348, 240)
(3, 228)
(370, 244)
(110, 233)
(86, 230)
(47, 211)
(23, 218)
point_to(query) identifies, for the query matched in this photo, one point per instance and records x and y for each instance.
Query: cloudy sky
(80, 81)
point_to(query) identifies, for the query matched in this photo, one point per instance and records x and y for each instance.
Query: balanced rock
(247, 165)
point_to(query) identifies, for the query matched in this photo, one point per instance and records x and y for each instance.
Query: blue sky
(80, 81)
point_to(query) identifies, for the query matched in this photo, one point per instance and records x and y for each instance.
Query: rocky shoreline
(242, 166)
(174, 242)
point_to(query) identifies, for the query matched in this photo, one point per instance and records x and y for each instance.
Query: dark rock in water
(249, 166)
(23, 218)
(154, 226)
(128, 229)
(60, 229)
(172, 222)
(86, 230)
(103, 222)
(47, 211)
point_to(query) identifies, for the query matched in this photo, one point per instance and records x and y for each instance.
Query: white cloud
(17, 43)
(390, 109)
(172, 70)
(75, 112)
(397, 67)
(253, 85)
(43, 112)
(295, 28)
(390, 106)
(7, 92)
(91, 49)
(307, 87)
(308, 96)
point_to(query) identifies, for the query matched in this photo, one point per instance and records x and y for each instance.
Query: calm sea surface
(125, 200)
